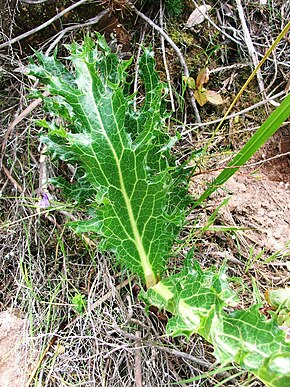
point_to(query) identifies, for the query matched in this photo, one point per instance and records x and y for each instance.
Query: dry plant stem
(19, 118)
(225, 68)
(176, 49)
(138, 361)
(109, 294)
(246, 110)
(10, 128)
(16, 186)
(42, 357)
(123, 333)
(36, 215)
(243, 166)
(269, 159)
(165, 61)
(237, 97)
(42, 171)
(87, 23)
(184, 355)
(271, 85)
(43, 25)
(250, 46)
(216, 26)
(33, 1)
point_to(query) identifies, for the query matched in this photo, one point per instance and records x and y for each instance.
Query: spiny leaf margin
(202, 302)
(136, 197)
(99, 129)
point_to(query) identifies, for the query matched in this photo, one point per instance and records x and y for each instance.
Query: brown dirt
(16, 20)
(263, 206)
(278, 168)
(260, 197)
(12, 350)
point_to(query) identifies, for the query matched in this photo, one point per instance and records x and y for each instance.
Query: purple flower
(44, 202)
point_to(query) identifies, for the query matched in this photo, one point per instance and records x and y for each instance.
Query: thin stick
(246, 110)
(138, 361)
(43, 25)
(16, 121)
(176, 49)
(266, 160)
(40, 360)
(33, 1)
(165, 61)
(184, 355)
(87, 23)
(226, 68)
(16, 185)
(110, 292)
(242, 166)
(250, 46)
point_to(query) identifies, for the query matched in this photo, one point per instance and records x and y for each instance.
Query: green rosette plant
(137, 200)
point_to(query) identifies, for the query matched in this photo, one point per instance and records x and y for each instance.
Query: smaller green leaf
(190, 82)
(278, 298)
(79, 303)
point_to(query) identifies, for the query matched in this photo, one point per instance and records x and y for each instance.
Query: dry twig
(250, 46)
(18, 119)
(60, 35)
(165, 61)
(241, 112)
(138, 361)
(176, 49)
(43, 25)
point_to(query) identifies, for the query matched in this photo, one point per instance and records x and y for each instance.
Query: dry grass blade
(176, 49)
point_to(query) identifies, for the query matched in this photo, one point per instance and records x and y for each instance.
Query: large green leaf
(136, 198)
(126, 174)
(202, 302)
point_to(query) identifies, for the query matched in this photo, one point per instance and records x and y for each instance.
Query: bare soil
(13, 365)
(261, 195)
(259, 198)
(277, 151)
(263, 206)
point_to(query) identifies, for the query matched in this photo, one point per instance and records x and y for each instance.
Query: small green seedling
(201, 94)
(79, 303)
